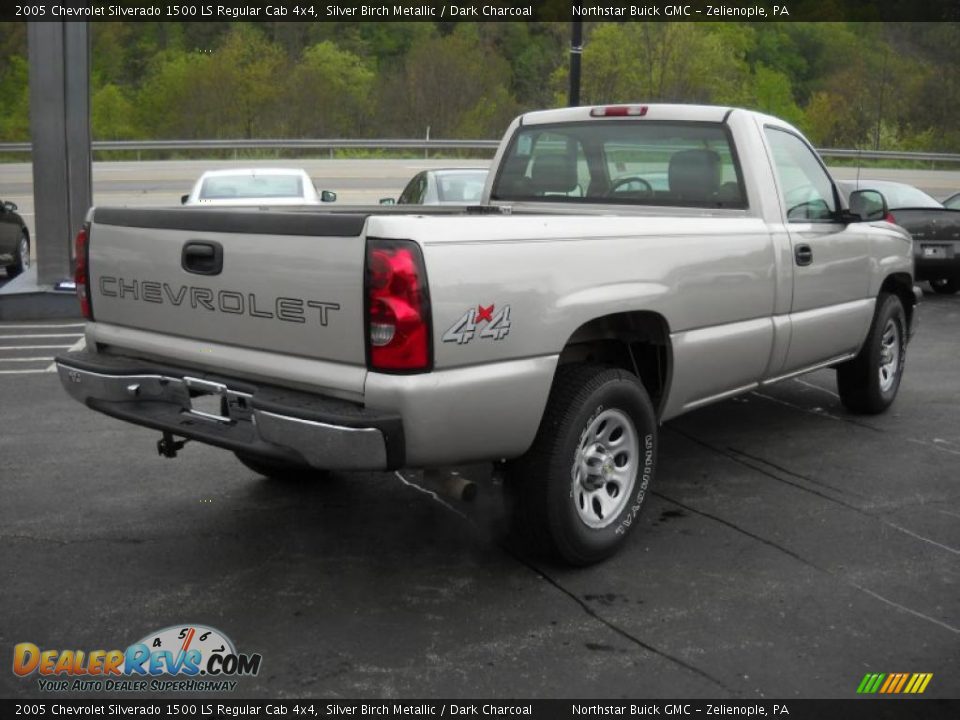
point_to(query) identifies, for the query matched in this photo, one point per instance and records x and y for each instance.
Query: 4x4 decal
(495, 326)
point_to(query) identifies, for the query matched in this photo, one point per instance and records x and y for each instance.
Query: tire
(21, 256)
(277, 469)
(573, 496)
(945, 286)
(869, 382)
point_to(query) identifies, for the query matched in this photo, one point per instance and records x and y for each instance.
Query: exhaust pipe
(449, 484)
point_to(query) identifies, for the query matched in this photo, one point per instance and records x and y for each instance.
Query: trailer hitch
(168, 447)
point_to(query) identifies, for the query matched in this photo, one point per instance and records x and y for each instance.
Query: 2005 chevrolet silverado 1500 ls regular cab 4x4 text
(626, 264)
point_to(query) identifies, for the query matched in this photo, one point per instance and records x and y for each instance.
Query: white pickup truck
(626, 264)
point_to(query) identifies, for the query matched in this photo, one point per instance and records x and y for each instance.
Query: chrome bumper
(270, 422)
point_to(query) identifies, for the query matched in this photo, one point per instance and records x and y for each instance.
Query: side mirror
(328, 196)
(387, 201)
(10, 206)
(184, 198)
(868, 205)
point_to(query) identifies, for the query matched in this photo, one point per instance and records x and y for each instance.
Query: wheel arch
(637, 341)
(901, 285)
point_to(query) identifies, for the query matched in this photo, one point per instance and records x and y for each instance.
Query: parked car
(935, 229)
(952, 202)
(448, 186)
(14, 240)
(257, 186)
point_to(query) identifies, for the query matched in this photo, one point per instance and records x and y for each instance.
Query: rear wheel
(278, 469)
(945, 286)
(21, 256)
(577, 492)
(869, 382)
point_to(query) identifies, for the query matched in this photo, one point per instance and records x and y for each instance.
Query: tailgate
(288, 282)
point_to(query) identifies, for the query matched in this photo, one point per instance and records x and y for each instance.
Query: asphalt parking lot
(788, 549)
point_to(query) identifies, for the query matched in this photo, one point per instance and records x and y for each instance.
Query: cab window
(805, 187)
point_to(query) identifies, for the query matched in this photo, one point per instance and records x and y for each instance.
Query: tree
(452, 84)
(329, 93)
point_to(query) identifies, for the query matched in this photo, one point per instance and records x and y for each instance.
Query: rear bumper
(271, 422)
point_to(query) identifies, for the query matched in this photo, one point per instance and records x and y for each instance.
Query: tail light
(890, 218)
(81, 274)
(398, 307)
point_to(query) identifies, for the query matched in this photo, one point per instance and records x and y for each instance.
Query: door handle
(803, 254)
(202, 258)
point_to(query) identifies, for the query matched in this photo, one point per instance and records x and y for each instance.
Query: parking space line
(78, 345)
(27, 359)
(34, 347)
(38, 335)
(19, 326)
(24, 372)
(934, 445)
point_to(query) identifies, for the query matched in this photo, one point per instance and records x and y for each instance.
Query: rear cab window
(653, 163)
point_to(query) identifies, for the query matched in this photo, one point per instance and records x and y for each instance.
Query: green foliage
(330, 93)
(112, 114)
(869, 85)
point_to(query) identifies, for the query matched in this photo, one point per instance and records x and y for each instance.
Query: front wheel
(945, 286)
(869, 382)
(577, 492)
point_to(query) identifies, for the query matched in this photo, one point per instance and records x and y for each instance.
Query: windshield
(222, 187)
(461, 186)
(623, 162)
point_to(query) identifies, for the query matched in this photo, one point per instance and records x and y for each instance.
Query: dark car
(14, 240)
(935, 230)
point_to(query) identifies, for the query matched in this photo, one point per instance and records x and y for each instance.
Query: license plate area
(216, 402)
(210, 407)
(936, 251)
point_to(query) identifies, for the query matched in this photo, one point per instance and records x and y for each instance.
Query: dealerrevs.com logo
(180, 658)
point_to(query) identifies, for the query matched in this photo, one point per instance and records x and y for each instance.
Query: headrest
(694, 175)
(553, 173)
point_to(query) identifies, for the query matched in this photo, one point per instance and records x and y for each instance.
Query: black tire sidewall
(890, 309)
(576, 540)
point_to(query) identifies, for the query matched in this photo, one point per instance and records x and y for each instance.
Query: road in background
(364, 182)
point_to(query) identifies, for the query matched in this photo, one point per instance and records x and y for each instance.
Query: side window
(806, 188)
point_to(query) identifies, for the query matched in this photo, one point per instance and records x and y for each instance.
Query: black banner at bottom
(859, 709)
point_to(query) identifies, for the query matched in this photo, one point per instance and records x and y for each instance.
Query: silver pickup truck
(625, 265)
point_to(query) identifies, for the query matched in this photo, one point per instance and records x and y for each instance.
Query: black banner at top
(483, 10)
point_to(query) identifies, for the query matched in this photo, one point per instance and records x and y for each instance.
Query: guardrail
(291, 144)
(414, 144)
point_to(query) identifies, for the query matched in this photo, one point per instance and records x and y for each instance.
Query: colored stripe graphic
(902, 681)
(894, 683)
